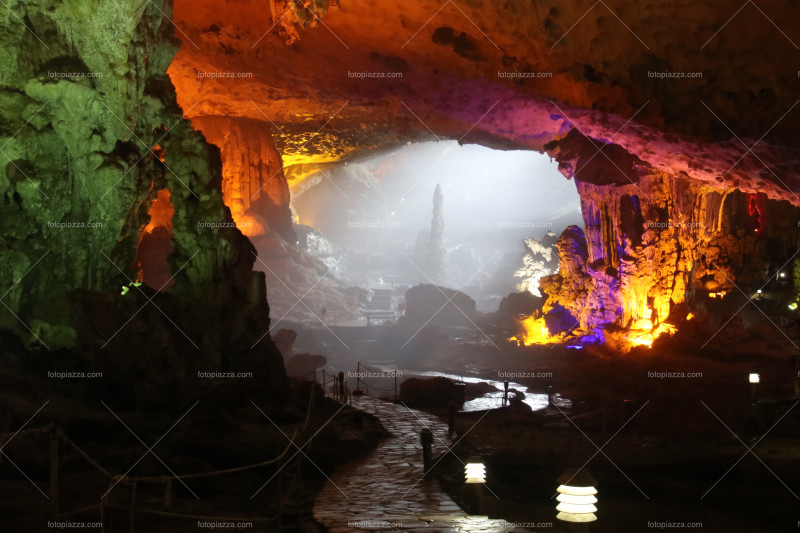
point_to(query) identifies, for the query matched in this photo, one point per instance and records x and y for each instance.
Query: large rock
(439, 306)
(427, 393)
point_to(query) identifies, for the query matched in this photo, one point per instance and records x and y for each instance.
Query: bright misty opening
(467, 218)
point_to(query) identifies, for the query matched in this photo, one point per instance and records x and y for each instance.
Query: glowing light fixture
(793, 306)
(759, 291)
(475, 471)
(576, 496)
(755, 378)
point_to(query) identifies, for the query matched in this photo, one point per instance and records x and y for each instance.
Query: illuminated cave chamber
(155, 244)
(674, 213)
(462, 217)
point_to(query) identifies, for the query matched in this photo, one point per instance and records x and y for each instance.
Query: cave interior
(262, 245)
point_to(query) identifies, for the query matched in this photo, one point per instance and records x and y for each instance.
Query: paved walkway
(386, 490)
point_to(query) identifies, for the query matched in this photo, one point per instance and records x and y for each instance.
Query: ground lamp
(576, 496)
(474, 471)
(754, 379)
(475, 476)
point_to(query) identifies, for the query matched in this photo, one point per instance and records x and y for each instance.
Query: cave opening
(373, 221)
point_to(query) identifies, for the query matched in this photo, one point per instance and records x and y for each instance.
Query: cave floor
(387, 489)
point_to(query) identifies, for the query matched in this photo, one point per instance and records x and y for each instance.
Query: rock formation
(539, 260)
(100, 164)
(438, 306)
(436, 253)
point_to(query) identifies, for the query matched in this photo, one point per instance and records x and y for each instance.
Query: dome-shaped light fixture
(576, 496)
(475, 471)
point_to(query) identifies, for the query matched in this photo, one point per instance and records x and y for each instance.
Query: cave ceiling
(590, 68)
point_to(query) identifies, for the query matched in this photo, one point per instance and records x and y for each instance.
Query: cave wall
(662, 241)
(91, 132)
(253, 184)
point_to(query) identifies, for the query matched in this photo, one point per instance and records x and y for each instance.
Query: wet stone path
(386, 491)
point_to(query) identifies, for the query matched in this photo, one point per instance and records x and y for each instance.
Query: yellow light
(576, 517)
(474, 471)
(535, 331)
(755, 378)
(690, 316)
(646, 338)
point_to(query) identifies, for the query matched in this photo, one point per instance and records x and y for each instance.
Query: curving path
(386, 491)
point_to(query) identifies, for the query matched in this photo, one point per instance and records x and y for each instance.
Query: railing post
(426, 438)
(168, 492)
(53, 472)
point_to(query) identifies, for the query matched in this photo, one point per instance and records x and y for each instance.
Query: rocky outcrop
(662, 242)
(540, 260)
(94, 136)
(253, 184)
(430, 304)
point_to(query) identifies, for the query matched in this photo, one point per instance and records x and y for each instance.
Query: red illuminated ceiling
(600, 62)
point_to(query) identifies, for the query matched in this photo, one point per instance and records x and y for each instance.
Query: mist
(378, 211)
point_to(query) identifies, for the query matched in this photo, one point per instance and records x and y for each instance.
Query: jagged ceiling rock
(588, 66)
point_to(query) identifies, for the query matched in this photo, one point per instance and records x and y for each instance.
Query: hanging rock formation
(253, 184)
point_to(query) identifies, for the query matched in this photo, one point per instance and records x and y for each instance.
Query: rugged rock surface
(540, 259)
(665, 242)
(509, 74)
(438, 306)
(657, 109)
(101, 164)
